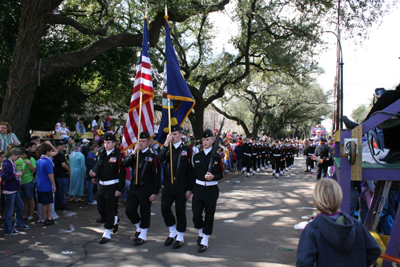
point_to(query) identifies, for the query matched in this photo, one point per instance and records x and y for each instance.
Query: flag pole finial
(145, 10)
(166, 12)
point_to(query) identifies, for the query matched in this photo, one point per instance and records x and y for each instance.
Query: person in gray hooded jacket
(334, 238)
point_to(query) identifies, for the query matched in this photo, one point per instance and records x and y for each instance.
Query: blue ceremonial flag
(175, 88)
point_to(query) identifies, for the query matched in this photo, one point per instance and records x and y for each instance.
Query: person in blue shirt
(45, 183)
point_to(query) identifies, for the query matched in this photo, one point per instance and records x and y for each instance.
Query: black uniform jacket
(324, 152)
(182, 166)
(276, 153)
(149, 172)
(310, 150)
(110, 167)
(247, 148)
(201, 162)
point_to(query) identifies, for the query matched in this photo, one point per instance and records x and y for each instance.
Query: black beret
(175, 128)
(59, 143)
(207, 133)
(144, 135)
(323, 139)
(109, 137)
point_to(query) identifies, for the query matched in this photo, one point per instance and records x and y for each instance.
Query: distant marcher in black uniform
(254, 157)
(309, 152)
(288, 155)
(145, 190)
(205, 191)
(323, 154)
(276, 159)
(111, 179)
(181, 188)
(263, 155)
(282, 163)
(247, 148)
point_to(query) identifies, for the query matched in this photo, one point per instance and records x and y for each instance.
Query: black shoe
(100, 220)
(202, 248)
(115, 228)
(349, 124)
(136, 236)
(177, 244)
(199, 238)
(139, 242)
(104, 240)
(307, 171)
(169, 241)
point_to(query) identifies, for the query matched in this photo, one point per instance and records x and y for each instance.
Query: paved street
(253, 227)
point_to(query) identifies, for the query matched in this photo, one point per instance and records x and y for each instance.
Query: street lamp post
(339, 109)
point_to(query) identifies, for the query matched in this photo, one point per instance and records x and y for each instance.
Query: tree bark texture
(24, 69)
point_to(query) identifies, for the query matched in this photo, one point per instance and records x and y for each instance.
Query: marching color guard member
(145, 190)
(254, 156)
(309, 153)
(205, 191)
(111, 179)
(181, 188)
(247, 147)
(276, 158)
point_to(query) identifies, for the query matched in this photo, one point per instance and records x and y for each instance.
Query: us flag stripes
(144, 84)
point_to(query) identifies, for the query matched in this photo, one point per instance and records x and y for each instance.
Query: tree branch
(64, 20)
(234, 118)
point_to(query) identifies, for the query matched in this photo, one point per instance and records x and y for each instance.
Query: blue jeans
(124, 193)
(13, 200)
(239, 164)
(61, 185)
(162, 173)
(353, 200)
(363, 211)
(89, 186)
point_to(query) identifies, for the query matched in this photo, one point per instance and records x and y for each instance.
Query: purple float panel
(393, 247)
(345, 174)
(381, 174)
(374, 121)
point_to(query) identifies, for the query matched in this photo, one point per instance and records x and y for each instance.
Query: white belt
(255, 154)
(276, 155)
(110, 182)
(247, 154)
(206, 183)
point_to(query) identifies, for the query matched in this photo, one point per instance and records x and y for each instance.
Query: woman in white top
(94, 122)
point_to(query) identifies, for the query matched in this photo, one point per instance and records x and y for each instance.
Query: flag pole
(170, 143)
(139, 126)
(169, 119)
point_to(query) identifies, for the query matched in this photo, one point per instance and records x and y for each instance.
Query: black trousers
(282, 164)
(263, 162)
(275, 162)
(310, 163)
(254, 161)
(139, 197)
(169, 196)
(289, 161)
(204, 199)
(107, 204)
(247, 162)
(322, 171)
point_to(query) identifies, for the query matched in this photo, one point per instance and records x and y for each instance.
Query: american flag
(144, 84)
